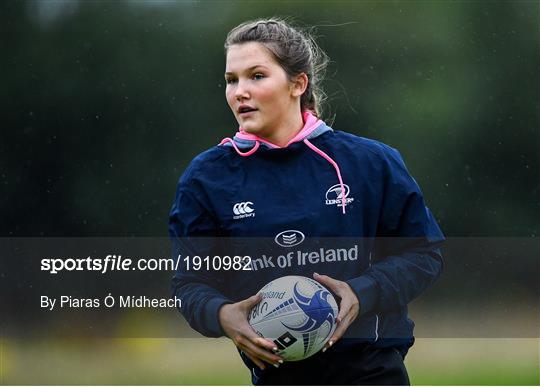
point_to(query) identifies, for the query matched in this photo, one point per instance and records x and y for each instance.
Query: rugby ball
(297, 313)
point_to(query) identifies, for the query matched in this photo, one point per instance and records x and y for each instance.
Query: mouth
(245, 110)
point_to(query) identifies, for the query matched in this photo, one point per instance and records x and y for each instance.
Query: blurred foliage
(105, 103)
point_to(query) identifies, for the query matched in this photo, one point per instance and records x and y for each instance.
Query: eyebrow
(249, 69)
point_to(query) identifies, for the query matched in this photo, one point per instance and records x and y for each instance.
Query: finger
(340, 330)
(344, 310)
(266, 355)
(255, 360)
(266, 343)
(262, 353)
(343, 321)
(333, 285)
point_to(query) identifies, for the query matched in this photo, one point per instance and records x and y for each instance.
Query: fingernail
(280, 361)
(316, 273)
(330, 343)
(274, 349)
(324, 349)
(276, 365)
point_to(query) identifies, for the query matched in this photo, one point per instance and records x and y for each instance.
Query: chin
(251, 129)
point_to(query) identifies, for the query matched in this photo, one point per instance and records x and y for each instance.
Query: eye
(258, 76)
(230, 81)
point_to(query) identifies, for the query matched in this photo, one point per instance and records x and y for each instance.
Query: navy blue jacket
(295, 189)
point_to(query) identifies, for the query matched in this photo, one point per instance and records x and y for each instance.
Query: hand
(349, 306)
(234, 321)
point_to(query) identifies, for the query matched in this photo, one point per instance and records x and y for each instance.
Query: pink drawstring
(311, 123)
(334, 164)
(243, 154)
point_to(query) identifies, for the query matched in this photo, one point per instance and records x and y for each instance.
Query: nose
(241, 91)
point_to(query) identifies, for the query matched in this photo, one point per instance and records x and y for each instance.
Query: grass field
(215, 361)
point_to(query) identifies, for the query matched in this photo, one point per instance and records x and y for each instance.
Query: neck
(286, 131)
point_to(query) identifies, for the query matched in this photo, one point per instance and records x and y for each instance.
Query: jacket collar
(313, 127)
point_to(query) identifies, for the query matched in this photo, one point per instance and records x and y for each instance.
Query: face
(258, 91)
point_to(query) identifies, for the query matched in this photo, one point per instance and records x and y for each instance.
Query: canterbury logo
(243, 210)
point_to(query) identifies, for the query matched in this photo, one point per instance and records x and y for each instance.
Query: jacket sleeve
(406, 258)
(199, 290)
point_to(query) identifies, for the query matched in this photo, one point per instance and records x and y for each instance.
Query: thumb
(250, 302)
(326, 280)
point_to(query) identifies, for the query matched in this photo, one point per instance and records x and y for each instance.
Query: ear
(299, 84)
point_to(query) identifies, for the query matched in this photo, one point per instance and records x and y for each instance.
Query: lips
(242, 109)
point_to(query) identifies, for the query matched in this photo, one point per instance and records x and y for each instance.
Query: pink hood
(311, 123)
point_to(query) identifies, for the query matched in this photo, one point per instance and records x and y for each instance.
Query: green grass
(212, 362)
(474, 362)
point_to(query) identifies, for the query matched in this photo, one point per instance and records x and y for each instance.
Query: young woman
(286, 170)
